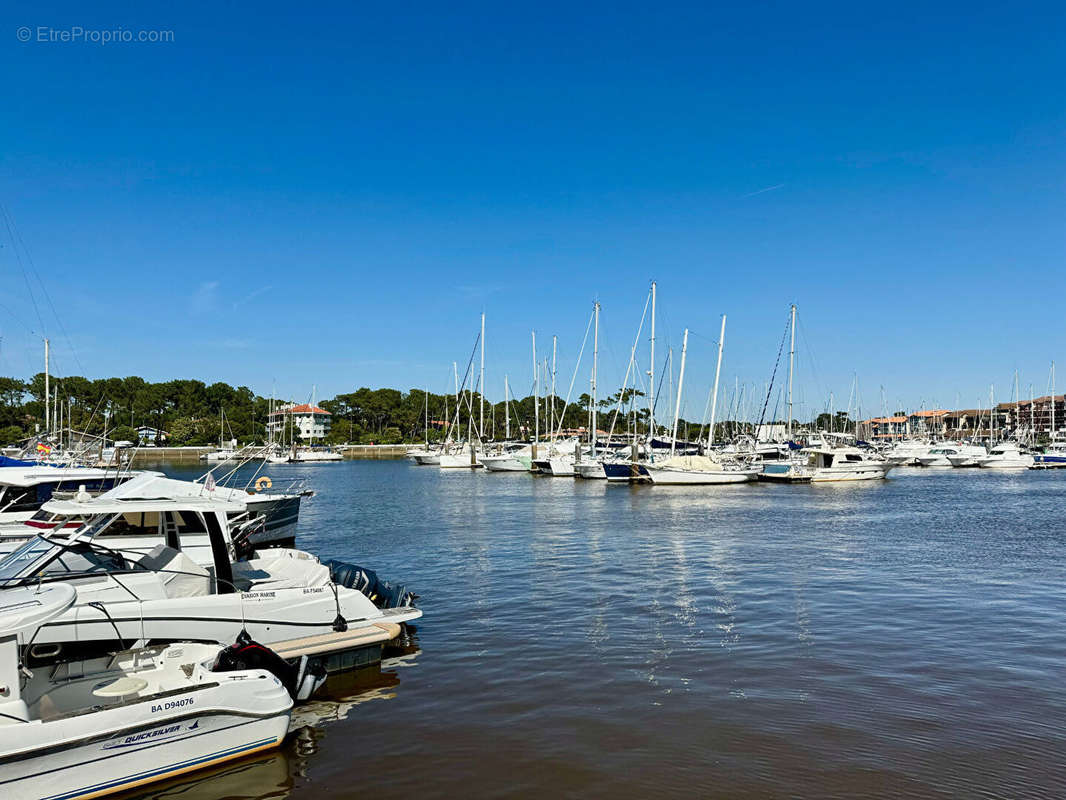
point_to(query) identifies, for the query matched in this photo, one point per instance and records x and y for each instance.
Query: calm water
(904, 637)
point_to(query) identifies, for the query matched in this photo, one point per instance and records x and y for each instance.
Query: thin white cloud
(773, 188)
(251, 296)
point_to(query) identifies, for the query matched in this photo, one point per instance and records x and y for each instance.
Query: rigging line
(44, 290)
(577, 366)
(773, 375)
(629, 368)
(22, 267)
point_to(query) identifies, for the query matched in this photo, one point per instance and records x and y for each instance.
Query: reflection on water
(894, 638)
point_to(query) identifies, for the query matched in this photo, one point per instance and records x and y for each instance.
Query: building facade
(305, 421)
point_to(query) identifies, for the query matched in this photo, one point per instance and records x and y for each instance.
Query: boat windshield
(42, 558)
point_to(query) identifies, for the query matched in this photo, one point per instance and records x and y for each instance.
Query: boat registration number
(170, 705)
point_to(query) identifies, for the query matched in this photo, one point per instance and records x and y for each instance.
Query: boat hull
(143, 741)
(682, 477)
(506, 463)
(461, 461)
(591, 470)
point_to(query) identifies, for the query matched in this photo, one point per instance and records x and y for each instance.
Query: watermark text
(76, 34)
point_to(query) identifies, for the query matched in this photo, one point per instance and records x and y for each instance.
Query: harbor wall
(375, 450)
(191, 455)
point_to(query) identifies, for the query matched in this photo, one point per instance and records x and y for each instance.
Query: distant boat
(941, 455)
(829, 463)
(908, 452)
(1054, 455)
(1006, 455)
(699, 470)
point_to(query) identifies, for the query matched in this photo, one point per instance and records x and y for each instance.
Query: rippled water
(903, 637)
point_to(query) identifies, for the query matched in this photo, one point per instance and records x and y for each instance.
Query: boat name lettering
(138, 738)
(259, 595)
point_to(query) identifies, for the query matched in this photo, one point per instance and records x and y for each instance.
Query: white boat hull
(556, 467)
(863, 472)
(427, 459)
(506, 463)
(460, 461)
(170, 727)
(1007, 463)
(590, 470)
(683, 477)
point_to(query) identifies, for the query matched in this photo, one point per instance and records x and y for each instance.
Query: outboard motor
(381, 593)
(300, 679)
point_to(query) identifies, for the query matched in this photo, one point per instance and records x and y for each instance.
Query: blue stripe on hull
(161, 772)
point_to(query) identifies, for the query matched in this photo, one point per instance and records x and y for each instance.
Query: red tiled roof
(936, 413)
(303, 408)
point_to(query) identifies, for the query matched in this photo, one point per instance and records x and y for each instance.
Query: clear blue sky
(333, 194)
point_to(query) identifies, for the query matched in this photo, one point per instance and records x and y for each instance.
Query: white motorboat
(698, 471)
(516, 457)
(464, 458)
(1006, 455)
(308, 455)
(425, 457)
(908, 452)
(150, 569)
(590, 469)
(1054, 455)
(828, 463)
(93, 728)
(23, 489)
(218, 456)
(941, 456)
(276, 512)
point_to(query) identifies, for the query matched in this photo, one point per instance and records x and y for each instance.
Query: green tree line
(189, 412)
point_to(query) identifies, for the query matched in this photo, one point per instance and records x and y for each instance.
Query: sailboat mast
(791, 360)
(991, 415)
(555, 342)
(651, 372)
(677, 402)
(507, 410)
(427, 418)
(481, 383)
(717, 372)
(536, 397)
(595, 358)
(1052, 401)
(47, 392)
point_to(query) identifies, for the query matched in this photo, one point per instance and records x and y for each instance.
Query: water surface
(902, 637)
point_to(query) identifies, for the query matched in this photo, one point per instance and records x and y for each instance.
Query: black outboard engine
(381, 593)
(300, 679)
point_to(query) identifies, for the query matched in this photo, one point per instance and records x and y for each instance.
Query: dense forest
(189, 411)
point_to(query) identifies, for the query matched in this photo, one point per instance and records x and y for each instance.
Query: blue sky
(333, 196)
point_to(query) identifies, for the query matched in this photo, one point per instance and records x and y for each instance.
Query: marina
(604, 637)
(546, 401)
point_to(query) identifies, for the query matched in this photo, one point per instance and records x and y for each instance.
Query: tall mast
(536, 396)
(1052, 401)
(555, 342)
(507, 410)
(717, 372)
(47, 391)
(595, 357)
(791, 359)
(651, 372)
(991, 414)
(677, 403)
(455, 372)
(427, 417)
(481, 383)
